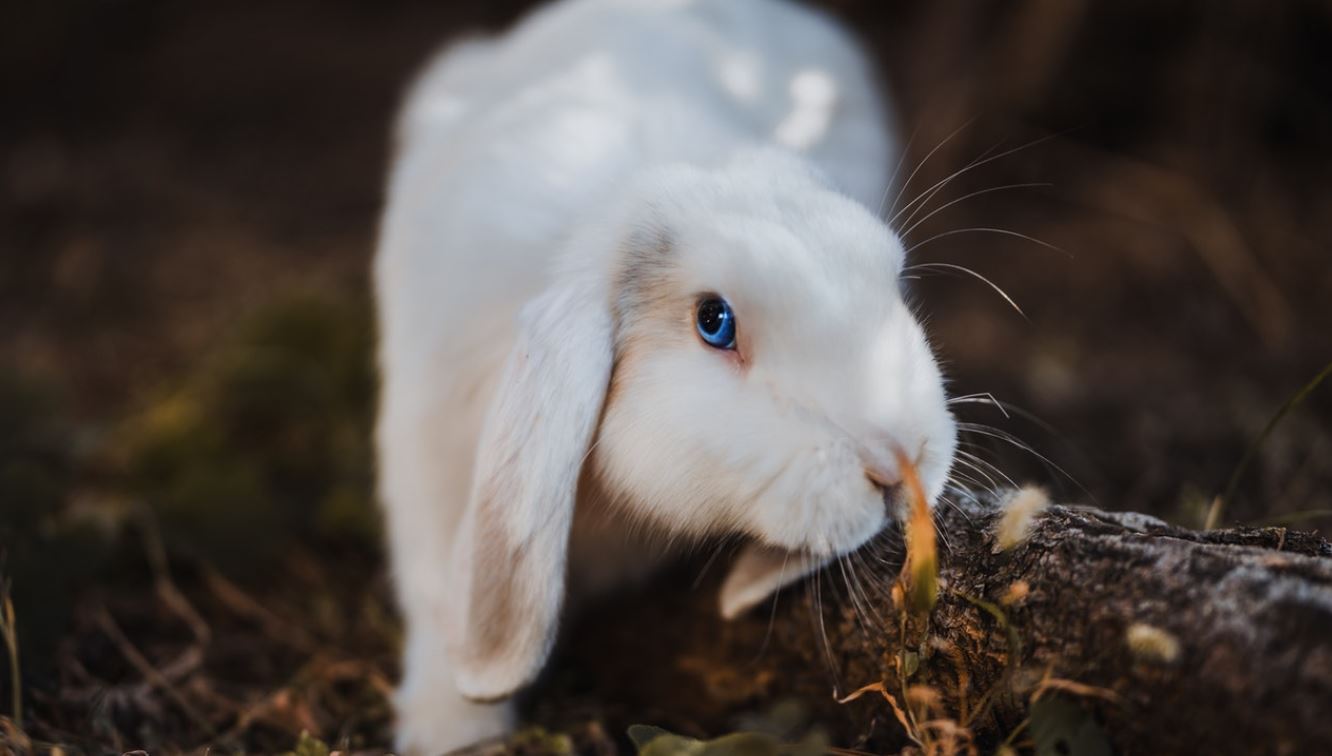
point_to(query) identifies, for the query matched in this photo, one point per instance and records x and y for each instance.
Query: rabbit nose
(889, 485)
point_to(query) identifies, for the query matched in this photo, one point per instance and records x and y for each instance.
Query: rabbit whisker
(897, 169)
(988, 485)
(921, 164)
(856, 609)
(1010, 410)
(867, 582)
(960, 477)
(729, 541)
(859, 599)
(935, 190)
(978, 463)
(984, 158)
(816, 610)
(941, 533)
(949, 501)
(974, 274)
(907, 231)
(881, 552)
(995, 433)
(986, 230)
(772, 616)
(982, 398)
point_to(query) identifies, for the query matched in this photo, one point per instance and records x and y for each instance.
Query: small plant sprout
(1021, 511)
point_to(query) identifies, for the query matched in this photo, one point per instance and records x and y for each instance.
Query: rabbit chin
(713, 472)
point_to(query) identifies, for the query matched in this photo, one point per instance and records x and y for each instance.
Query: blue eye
(716, 323)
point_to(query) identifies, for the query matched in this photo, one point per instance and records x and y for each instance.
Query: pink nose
(889, 484)
(882, 477)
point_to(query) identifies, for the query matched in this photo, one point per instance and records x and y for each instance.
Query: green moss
(308, 746)
(268, 442)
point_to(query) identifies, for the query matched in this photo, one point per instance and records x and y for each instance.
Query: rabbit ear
(513, 541)
(761, 571)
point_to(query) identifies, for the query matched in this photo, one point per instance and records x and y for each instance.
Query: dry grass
(9, 633)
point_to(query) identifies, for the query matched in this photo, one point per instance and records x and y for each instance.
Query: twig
(1075, 688)
(150, 673)
(1012, 736)
(242, 603)
(879, 688)
(10, 630)
(166, 588)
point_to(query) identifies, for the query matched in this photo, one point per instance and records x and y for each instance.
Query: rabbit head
(729, 353)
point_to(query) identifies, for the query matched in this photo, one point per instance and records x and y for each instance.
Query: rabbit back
(507, 144)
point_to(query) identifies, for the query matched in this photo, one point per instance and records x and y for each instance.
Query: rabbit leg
(423, 483)
(432, 717)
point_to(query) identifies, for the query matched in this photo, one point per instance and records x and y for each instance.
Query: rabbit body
(515, 157)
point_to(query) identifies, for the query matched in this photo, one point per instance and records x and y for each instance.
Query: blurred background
(188, 202)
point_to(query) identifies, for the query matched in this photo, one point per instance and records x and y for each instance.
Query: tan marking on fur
(493, 608)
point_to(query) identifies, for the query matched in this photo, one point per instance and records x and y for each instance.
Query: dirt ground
(170, 173)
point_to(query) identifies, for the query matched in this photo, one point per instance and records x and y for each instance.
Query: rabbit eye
(716, 323)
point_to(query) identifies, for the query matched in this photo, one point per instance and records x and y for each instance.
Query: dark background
(188, 200)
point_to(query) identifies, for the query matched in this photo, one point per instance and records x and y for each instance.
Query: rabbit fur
(561, 197)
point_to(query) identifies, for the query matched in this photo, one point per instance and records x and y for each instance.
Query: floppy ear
(761, 571)
(511, 548)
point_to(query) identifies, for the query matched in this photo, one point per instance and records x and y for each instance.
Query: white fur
(561, 197)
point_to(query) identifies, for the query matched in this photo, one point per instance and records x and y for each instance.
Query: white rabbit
(633, 292)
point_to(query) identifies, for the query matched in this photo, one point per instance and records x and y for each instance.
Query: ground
(188, 213)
